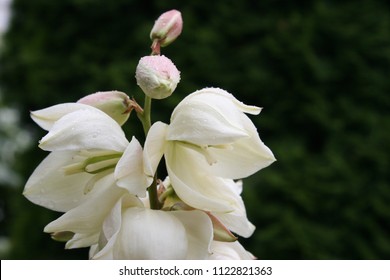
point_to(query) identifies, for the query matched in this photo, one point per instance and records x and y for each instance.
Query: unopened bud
(116, 104)
(157, 76)
(167, 28)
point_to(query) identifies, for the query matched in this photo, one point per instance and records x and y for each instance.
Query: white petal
(237, 223)
(209, 117)
(154, 147)
(200, 127)
(129, 171)
(82, 240)
(220, 93)
(192, 183)
(229, 251)
(199, 231)
(244, 157)
(237, 220)
(111, 227)
(87, 218)
(93, 250)
(46, 118)
(85, 129)
(144, 234)
(49, 187)
(151, 234)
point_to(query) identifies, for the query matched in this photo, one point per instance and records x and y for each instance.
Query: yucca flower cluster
(106, 182)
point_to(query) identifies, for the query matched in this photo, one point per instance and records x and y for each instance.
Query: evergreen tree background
(320, 69)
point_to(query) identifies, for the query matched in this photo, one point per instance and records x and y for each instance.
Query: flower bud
(116, 104)
(167, 28)
(157, 76)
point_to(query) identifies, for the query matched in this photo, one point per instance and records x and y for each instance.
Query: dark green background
(320, 69)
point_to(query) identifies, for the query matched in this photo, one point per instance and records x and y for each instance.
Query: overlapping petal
(87, 218)
(154, 147)
(244, 157)
(49, 187)
(199, 233)
(85, 129)
(142, 233)
(129, 171)
(194, 185)
(210, 116)
(236, 220)
(46, 117)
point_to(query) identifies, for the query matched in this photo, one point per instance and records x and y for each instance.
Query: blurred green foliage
(320, 69)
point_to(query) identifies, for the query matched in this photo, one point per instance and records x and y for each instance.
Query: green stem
(146, 123)
(145, 115)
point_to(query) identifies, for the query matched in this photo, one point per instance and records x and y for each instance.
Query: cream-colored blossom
(209, 139)
(86, 171)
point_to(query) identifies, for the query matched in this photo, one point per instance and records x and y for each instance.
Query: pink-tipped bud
(167, 28)
(116, 104)
(157, 76)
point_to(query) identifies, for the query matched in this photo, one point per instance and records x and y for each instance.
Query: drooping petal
(46, 117)
(200, 125)
(210, 116)
(111, 226)
(87, 218)
(192, 183)
(244, 157)
(85, 129)
(129, 171)
(229, 251)
(154, 147)
(236, 220)
(199, 232)
(49, 187)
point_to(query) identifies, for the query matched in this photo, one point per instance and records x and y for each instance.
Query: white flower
(90, 166)
(142, 233)
(209, 142)
(86, 145)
